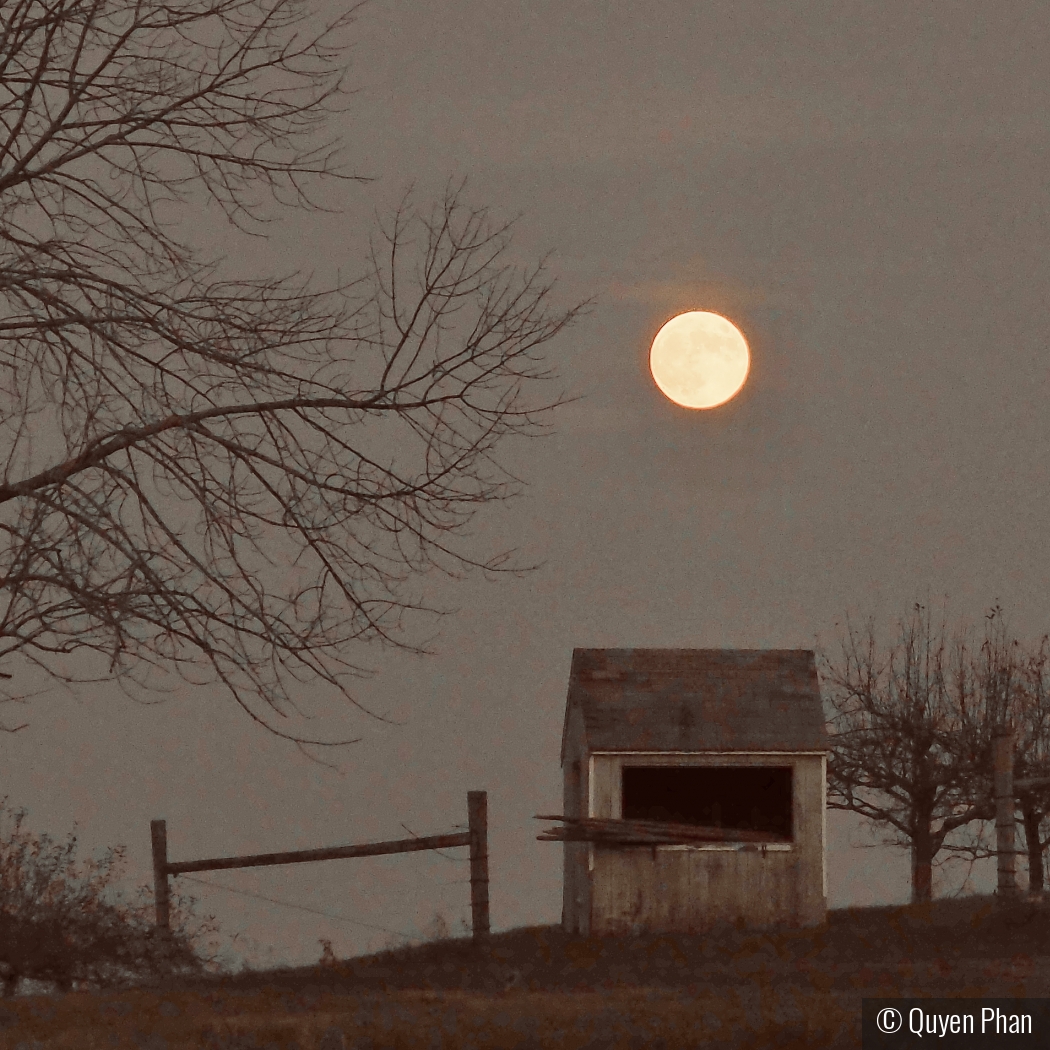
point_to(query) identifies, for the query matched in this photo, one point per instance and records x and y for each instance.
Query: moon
(699, 360)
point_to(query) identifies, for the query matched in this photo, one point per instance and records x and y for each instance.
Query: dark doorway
(754, 798)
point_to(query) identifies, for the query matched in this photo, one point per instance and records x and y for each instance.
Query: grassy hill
(538, 987)
(950, 932)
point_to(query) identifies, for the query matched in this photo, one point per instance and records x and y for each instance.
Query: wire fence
(331, 915)
(298, 907)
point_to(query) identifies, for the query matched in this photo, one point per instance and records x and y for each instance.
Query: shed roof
(697, 700)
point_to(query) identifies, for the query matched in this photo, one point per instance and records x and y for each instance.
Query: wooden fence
(476, 837)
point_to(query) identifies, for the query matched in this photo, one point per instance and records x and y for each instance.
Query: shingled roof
(697, 700)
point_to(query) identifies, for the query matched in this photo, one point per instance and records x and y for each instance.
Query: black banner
(955, 1024)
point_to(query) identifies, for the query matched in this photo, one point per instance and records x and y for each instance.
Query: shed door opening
(754, 798)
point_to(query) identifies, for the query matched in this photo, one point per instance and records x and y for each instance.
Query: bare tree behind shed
(242, 479)
(896, 715)
(1032, 761)
(1010, 686)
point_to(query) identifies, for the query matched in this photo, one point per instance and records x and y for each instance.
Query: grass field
(537, 987)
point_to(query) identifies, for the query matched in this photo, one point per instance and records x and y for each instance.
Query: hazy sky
(862, 189)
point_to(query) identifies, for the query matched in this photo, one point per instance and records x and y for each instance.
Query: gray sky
(861, 188)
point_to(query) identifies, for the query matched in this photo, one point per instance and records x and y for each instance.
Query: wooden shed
(726, 739)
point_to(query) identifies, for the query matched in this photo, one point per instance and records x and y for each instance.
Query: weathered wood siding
(689, 888)
(576, 886)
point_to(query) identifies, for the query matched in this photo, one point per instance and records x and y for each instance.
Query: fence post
(159, 834)
(1004, 814)
(477, 816)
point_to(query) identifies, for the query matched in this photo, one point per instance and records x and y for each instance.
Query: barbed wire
(298, 907)
(440, 853)
(331, 915)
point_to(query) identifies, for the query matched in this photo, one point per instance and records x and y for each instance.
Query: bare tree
(895, 745)
(1032, 761)
(1009, 686)
(235, 478)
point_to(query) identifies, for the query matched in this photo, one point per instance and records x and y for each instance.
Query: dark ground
(537, 988)
(943, 945)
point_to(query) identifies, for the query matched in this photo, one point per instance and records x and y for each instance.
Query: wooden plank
(597, 829)
(370, 849)
(605, 795)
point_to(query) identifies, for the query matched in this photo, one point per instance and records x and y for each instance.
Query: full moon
(699, 360)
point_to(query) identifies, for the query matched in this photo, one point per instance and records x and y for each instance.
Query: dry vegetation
(537, 987)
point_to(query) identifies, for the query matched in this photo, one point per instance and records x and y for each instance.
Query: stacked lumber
(610, 832)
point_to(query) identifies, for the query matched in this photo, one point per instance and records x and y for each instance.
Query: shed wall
(689, 888)
(576, 883)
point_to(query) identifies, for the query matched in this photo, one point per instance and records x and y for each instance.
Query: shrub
(64, 924)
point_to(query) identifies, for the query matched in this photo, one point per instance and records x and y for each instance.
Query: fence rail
(476, 838)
